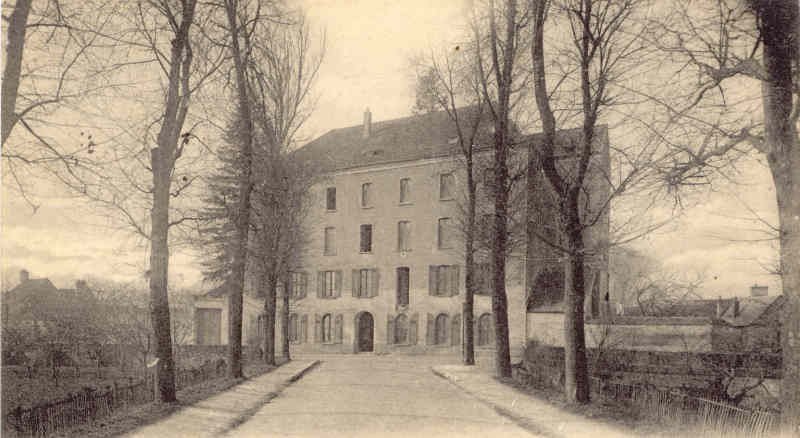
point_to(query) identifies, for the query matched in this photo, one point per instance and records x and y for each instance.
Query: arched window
(401, 329)
(326, 328)
(485, 329)
(440, 332)
(293, 328)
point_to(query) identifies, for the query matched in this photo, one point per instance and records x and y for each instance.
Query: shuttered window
(329, 284)
(443, 280)
(365, 283)
(298, 283)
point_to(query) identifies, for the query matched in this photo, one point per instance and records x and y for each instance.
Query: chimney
(24, 276)
(736, 307)
(367, 124)
(759, 291)
(719, 307)
(80, 285)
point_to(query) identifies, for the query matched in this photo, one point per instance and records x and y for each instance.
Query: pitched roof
(410, 138)
(751, 310)
(698, 308)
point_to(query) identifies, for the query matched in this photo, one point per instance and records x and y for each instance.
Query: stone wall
(549, 361)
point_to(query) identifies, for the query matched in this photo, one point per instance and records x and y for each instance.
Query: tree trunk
(17, 25)
(159, 269)
(285, 322)
(499, 298)
(245, 189)
(779, 33)
(576, 381)
(269, 317)
(468, 341)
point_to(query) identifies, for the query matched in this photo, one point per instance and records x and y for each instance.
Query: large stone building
(384, 270)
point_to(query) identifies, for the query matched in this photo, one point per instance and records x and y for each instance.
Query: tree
(53, 60)
(450, 85)
(604, 41)
(752, 43)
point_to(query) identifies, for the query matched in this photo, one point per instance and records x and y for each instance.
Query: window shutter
(455, 278)
(304, 287)
(320, 283)
(304, 329)
(376, 279)
(317, 329)
(412, 330)
(355, 283)
(338, 286)
(338, 327)
(432, 279)
(390, 329)
(430, 338)
(455, 331)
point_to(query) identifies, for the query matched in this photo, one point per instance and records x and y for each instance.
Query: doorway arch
(365, 332)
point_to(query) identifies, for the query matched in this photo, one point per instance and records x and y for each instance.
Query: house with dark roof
(384, 269)
(36, 311)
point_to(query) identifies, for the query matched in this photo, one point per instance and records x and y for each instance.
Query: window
(403, 236)
(401, 329)
(366, 195)
(366, 238)
(330, 199)
(326, 328)
(484, 329)
(443, 280)
(446, 183)
(405, 191)
(403, 277)
(298, 284)
(293, 328)
(440, 331)
(365, 283)
(445, 233)
(330, 241)
(329, 284)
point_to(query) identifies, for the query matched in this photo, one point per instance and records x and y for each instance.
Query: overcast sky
(369, 43)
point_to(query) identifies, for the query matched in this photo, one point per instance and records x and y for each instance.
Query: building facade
(384, 269)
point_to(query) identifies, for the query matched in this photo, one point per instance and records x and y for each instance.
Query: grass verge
(127, 420)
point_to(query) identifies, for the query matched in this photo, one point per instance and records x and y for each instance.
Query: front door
(366, 328)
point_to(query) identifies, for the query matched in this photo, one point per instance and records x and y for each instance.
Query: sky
(367, 64)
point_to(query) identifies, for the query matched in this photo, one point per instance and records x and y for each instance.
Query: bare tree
(604, 42)
(450, 84)
(724, 47)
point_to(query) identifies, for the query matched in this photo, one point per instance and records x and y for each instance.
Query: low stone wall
(549, 362)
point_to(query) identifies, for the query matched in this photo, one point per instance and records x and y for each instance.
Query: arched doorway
(365, 332)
